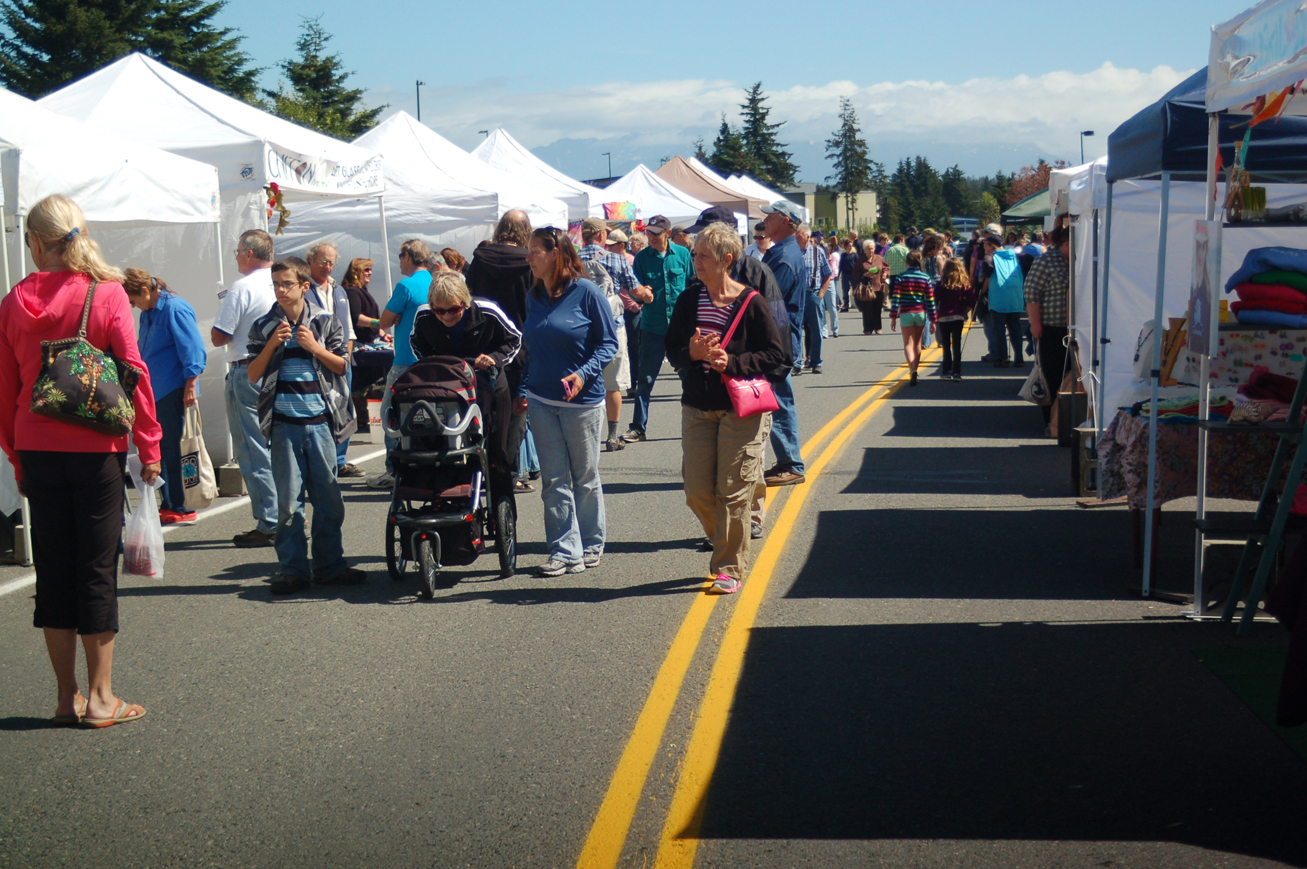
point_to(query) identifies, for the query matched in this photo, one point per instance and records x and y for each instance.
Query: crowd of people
(557, 336)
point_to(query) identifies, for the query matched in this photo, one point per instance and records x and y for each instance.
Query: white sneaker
(381, 481)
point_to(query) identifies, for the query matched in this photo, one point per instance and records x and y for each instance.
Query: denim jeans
(831, 311)
(528, 462)
(1005, 326)
(785, 427)
(343, 446)
(632, 319)
(653, 350)
(567, 440)
(251, 449)
(391, 376)
(304, 462)
(796, 338)
(171, 414)
(812, 330)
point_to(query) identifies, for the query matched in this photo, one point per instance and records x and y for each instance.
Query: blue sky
(988, 86)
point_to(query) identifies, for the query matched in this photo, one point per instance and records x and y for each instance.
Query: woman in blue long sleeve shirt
(174, 354)
(570, 335)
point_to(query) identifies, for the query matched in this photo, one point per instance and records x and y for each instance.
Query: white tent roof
(651, 195)
(1081, 184)
(435, 191)
(112, 179)
(501, 151)
(147, 101)
(755, 189)
(1260, 50)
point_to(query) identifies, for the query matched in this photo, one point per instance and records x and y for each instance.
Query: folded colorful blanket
(1297, 280)
(1263, 385)
(1251, 291)
(1272, 318)
(1265, 259)
(1269, 305)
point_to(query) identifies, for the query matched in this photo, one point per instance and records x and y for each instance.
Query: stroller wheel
(506, 536)
(426, 569)
(395, 562)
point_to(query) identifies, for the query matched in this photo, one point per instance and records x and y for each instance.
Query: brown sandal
(122, 713)
(79, 711)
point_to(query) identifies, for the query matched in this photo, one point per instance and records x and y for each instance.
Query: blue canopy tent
(1170, 141)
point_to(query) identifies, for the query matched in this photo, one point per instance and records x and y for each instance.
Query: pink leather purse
(750, 396)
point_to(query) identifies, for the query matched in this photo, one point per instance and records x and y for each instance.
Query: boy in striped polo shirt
(298, 356)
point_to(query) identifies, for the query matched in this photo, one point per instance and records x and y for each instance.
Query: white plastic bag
(1035, 389)
(143, 536)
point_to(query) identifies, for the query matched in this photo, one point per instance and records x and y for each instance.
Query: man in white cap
(786, 263)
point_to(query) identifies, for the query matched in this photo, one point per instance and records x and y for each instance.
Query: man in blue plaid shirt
(617, 374)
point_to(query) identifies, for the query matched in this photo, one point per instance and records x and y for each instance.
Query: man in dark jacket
(499, 272)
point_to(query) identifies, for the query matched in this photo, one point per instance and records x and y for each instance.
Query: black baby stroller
(443, 509)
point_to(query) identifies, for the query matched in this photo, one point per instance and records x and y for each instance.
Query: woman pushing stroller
(452, 323)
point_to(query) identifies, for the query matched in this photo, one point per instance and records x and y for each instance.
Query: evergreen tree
(317, 96)
(848, 152)
(728, 154)
(771, 162)
(1002, 189)
(54, 42)
(957, 193)
(699, 153)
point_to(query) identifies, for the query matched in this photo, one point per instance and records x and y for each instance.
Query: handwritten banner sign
(318, 175)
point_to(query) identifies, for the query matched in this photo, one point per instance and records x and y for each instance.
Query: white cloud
(1027, 113)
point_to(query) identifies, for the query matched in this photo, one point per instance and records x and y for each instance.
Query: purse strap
(86, 309)
(739, 315)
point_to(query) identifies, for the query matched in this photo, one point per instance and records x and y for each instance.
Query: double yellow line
(679, 841)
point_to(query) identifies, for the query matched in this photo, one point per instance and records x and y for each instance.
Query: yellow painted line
(603, 845)
(680, 836)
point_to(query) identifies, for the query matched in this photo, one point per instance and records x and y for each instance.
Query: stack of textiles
(1272, 287)
(1273, 392)
(1185, 408)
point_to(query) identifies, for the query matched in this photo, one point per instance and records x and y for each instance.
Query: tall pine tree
(957, 193)
(728, 155)
(771, 162)
(317, 96)
(54, 42)
(847, 151)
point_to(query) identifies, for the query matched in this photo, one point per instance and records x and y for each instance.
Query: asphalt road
(946, 669)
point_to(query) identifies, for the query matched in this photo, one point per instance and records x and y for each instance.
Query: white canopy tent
(651, 195)
(501, 151)
(145, 207)
(147, 101)
(435, 191)
(750, 187)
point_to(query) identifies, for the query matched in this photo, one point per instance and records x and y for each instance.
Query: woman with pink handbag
(723, 340)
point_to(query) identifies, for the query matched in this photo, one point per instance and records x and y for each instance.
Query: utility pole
(419, 90)
(1082, 144)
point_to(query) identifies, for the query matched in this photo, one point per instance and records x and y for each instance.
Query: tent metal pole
(385, 246)
(1103, 340)
(1155, 376)
(27, 508)
(4, 253)
(1095, 380)
(1205, 385)
(217, 234)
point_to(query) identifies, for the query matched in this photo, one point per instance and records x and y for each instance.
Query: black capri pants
(77, 520)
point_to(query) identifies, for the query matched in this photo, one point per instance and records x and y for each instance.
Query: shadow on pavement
(1029, 470)
(1099, 732)
(983, 421)
(550, 594)
(19, 723)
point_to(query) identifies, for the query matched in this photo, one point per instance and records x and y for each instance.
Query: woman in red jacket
(72, 476)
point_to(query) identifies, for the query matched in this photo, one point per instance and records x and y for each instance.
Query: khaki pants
(721, 462)
(758, 507)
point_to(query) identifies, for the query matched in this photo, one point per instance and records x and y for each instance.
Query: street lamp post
(1084, 133)
(419, 92)
(484, 132)
(609, 155)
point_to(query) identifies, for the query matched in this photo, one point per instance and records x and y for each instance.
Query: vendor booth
(435, 191)
(501, 151)
(651, 195)
(1165, 159)
(144, 207)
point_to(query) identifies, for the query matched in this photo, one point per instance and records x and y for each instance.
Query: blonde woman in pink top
(72, 476)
